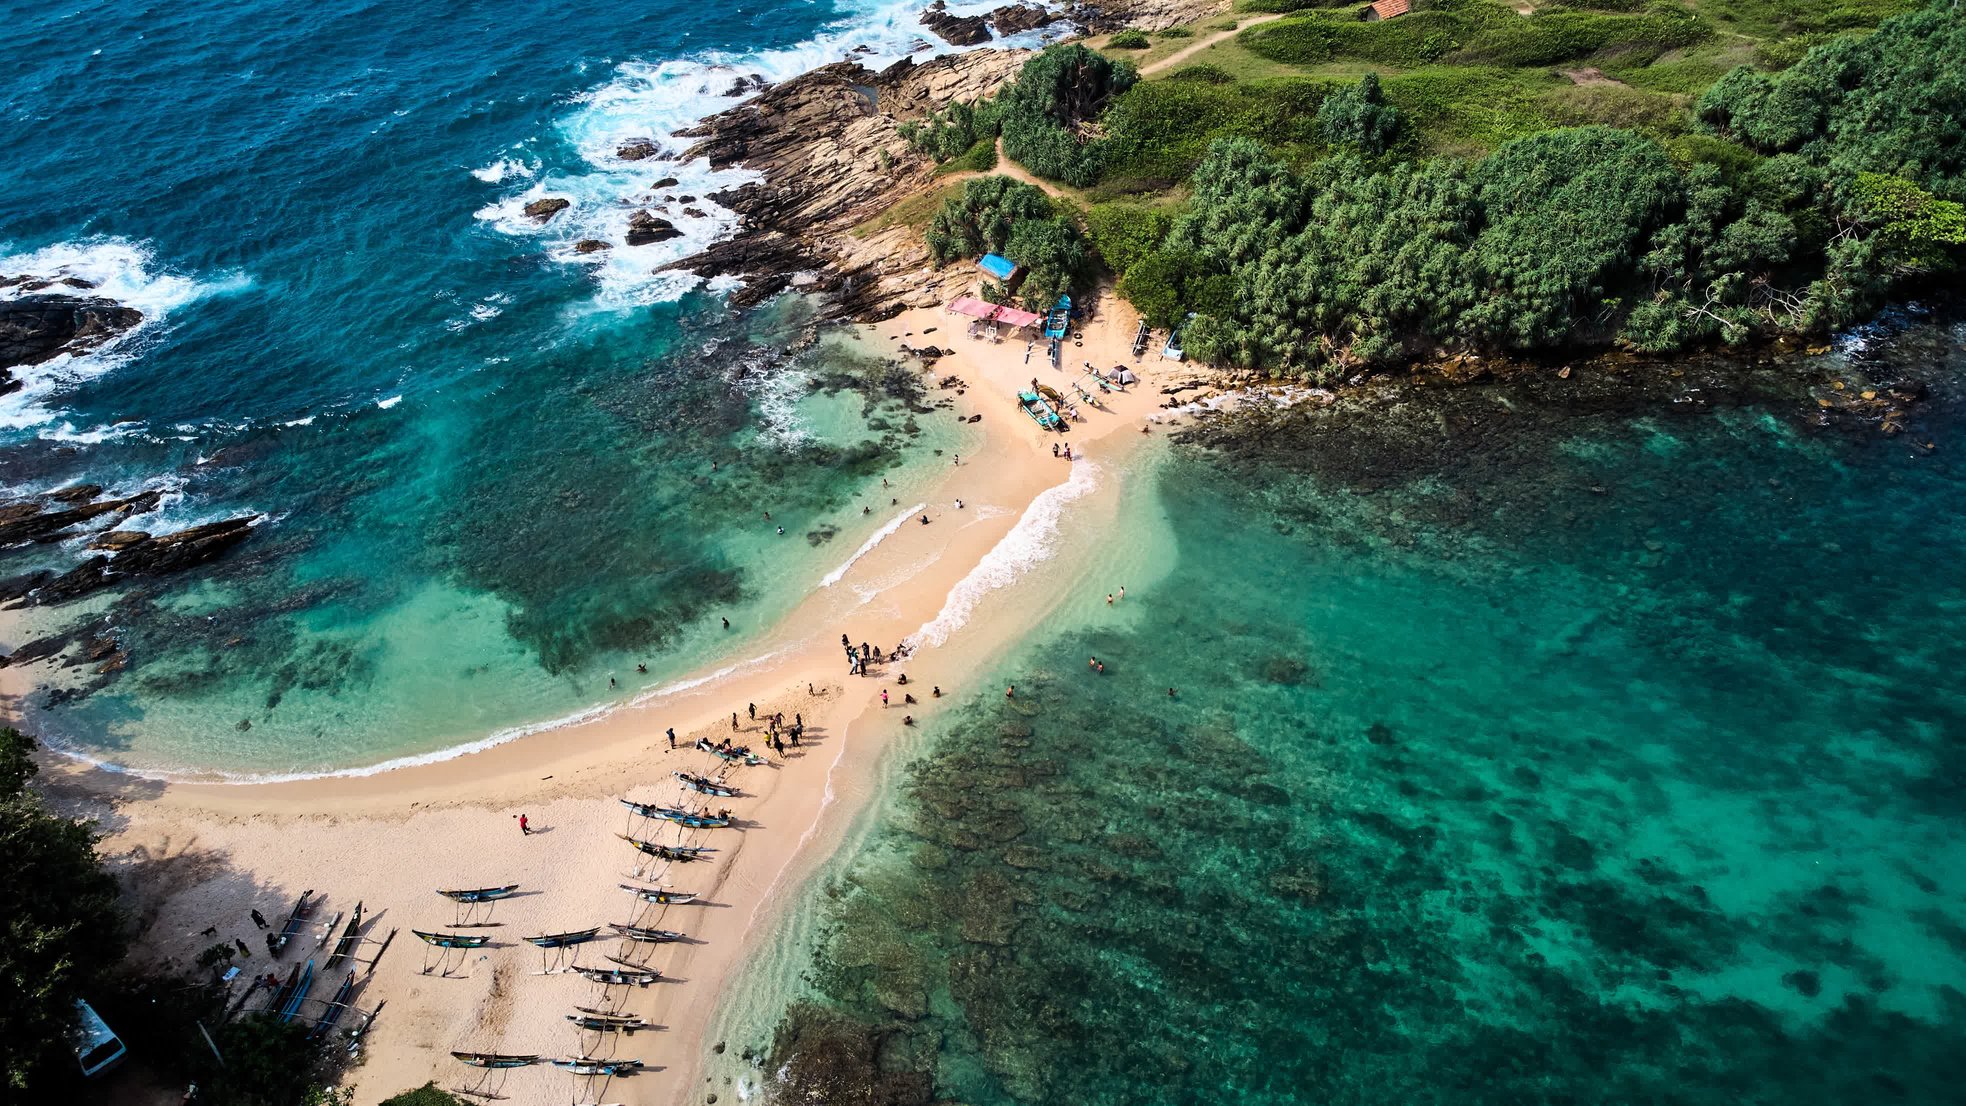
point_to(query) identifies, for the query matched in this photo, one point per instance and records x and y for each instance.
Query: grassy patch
(1475, 32)
(979, 158)
(914, 212)
(1778, 19)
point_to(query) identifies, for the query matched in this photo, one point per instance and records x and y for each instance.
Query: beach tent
(1123, 375)
(997, 266)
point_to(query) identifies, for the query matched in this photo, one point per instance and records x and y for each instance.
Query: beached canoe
(1040, 410)
(496, 1059)
(296, 918)
(680, 853)
(345, 946)
(336, 1006)
(453, 940)
(620, 977)
(561, 940)
(645, 933)
(593, 1065)
(659, 896)
(292, 1006)
(675, 814)
(705, 784)
(479, 894)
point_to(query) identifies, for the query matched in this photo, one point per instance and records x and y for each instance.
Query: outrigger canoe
(295, 918)
(591, 1065)
(659, 896)
(674, 814)
(620, 977)
(496, 1059)
(345, 946)
(705, 785)
(292, 1006)
(561, 940)
(479, 894)
(644, 933)
(682, 853)
(336, 1005)
(453, 940)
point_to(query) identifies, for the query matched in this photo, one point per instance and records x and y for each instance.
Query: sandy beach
(199, 855)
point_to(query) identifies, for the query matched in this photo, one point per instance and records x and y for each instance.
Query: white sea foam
(121, 270)
(651, 101)
(392, 401)
(867, 546)
(1029, 542)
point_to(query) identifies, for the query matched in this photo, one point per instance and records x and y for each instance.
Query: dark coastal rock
(744, 86)
(696, 213)
(18, 587)
(48, 518)
(34, 329)
(640, 149)
(1017, 18)
(956, 30)
(685, 199)
(665, 182)
(147, 556)
(117, 540)
(543, 210)
(645, 227)
(590, 245)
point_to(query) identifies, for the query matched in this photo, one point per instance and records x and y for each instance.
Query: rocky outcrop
(827, 148)
(645, 227)
(140, 555)
(640, 149)
(40, 328)
(1012, 19)
(745, 85)
(57, 515)
(542, 210)
(1145, 15)
(956, 30)
(590, 245)
(665, 182)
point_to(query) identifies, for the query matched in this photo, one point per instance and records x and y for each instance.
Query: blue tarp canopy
(996, 265)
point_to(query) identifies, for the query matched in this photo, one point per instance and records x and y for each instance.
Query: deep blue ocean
(485, 462)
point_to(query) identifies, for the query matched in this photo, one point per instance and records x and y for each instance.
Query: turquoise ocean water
(1527, 748)
(485, 462)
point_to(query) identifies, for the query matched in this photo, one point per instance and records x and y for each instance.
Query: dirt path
(1190, 51)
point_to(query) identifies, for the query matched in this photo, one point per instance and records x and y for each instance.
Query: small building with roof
(1385, 9)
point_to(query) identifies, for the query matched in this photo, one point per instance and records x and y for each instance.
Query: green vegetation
(999, 215)
(426, 1095)
(1325, 192)
(60, 929)
(1129, 40)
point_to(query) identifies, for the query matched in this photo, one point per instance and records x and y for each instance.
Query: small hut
(1386, 9)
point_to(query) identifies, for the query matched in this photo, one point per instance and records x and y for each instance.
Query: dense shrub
(953, 130)
(1129, 40)
(1358, 118)
(1045, 111)
(1125, 233)
(981, 219)
(1472, 32)
(1893, 102)
(1204, 73)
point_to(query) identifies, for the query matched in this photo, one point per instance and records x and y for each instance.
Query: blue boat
(1059, 319)
(292, 1006)
(1040, 411)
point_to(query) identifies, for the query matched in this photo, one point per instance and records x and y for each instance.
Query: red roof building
(1386, 9)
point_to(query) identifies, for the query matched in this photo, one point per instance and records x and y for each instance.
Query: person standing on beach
(672, 737)
(525, 827)
(753, 709)
(733, 720)
(883, 698)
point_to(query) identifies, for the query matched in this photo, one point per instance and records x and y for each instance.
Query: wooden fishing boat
(705, 784)
(681, 853)
(327, 932)
(561, 940)
(479, 894)
(294, 919)
(630, 964)
(345, 946)
(675, 814)
(660, 896)
(496, 1059)
(1040, 410)
(620, 977)
(454, 940)
(594, 1065)
(606, 1025)
(644, 933)
(336, 1006)
(292, 1006)
(284, 991)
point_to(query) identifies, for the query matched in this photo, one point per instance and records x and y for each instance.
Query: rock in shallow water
(543, 210)
(956, 30)
(34, 329)
(645, 227)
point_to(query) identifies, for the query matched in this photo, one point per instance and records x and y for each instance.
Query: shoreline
(267, 840)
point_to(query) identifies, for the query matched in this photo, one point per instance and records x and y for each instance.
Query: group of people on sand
(858, 658)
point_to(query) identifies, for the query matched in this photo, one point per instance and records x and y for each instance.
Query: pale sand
(391, 839)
